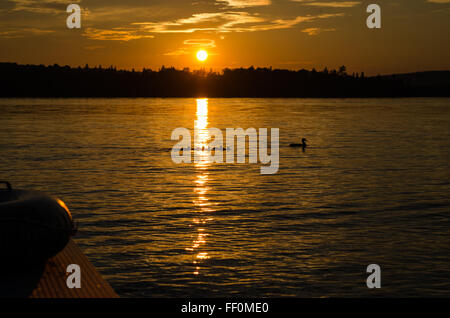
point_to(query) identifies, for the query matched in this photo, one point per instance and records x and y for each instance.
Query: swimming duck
(303, 144)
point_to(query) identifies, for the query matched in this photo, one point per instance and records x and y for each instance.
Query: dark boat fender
(33, 226)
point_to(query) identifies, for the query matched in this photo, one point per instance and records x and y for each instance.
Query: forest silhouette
(64, 81)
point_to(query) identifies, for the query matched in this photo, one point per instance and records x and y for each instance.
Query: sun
(202, 55)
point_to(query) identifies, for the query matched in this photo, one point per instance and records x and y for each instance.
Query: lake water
(373, 187)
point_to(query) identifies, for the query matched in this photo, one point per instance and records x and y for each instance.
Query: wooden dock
(50, 280)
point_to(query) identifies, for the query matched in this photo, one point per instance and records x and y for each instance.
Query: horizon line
(203, 69)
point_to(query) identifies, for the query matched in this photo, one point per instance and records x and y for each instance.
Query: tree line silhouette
(65, 81)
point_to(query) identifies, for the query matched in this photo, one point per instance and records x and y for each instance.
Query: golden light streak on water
(201, 138)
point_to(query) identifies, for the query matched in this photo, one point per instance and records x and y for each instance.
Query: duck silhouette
(302, 145)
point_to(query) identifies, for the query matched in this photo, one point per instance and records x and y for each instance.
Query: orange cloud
(200, 42)
(246, 3)
(114, 34)
(223, 22)
(315, 31)
(331, 4)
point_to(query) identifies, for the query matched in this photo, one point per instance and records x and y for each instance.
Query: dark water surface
(373, 188)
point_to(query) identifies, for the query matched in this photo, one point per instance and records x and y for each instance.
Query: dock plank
(52, 283)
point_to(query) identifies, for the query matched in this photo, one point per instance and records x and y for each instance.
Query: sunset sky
(289, 34)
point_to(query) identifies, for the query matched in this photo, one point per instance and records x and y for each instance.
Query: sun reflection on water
(201, 202)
